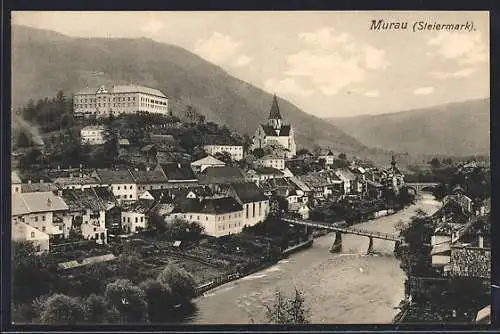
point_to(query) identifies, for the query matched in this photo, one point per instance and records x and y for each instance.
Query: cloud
(423, 91)
(331, 61)
(218, 48)
(463, 73)
(153, 26)
(372, 93)
(287, 85)
(465, 48)
(242, 60)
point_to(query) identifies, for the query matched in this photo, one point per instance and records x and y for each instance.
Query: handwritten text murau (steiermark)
(383, 25)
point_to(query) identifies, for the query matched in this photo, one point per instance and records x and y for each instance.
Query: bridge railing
(350, 230)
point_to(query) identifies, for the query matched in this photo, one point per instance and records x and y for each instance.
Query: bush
(62, 309)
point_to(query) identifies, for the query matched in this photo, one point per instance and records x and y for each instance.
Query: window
(253, 210)
(97, 236)
(60, 227)
(124, 219)
(142, 219)
(206, 217)
(130, 187)
(118, 188)
(95, 229)
(36, 218)
(136, 219)
(246, 210)
(197, 217)
(130, 196)
(38, 248)
(43, 218)
(43, 228)
(128, 219)
(32, 234)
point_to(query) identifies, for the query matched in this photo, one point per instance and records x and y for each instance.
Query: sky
(330, 64)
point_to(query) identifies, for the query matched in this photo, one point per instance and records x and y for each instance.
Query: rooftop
(117, 176)
(217, 206)
(284, 131)
(82, 199)
(124, 89)
(208, 160)
(222, 174)
(178, 172)
(148, 176)
(248, 192)
(26, 203)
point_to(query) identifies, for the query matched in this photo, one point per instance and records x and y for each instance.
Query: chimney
(29, 181)
(41, 180)
(179, 165)
(481, 241)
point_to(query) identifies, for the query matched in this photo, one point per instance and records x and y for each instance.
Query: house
(15, 182)
(44, 211)
(119, 99)
(218, 216)
(213, 144)
(323, 184)
(42, 186)
(273, 160)
(392, 177)
(93, 135)
(120, 181)
(251, 197)
(221, 175)
(462, 200)
(76, 182)
(88, 213)
(284, 187)
(149, 179)
(259, 174)
(299, 208)
(178, 174)
(348, 179)
(328, 156)
(149, 153)
(23, 232)
(200, 165)
(134, 216)
(275, 132)
(374, 189)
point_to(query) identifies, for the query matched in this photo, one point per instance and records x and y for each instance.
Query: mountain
(44, 62)
(456, 129)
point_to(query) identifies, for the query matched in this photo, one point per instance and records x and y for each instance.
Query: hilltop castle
(275, 133)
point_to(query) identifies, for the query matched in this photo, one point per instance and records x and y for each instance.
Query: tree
(23, 140)
(96, 309)
(128, 299)
(224, 157)
(27, 265)
(342, 156)
(62, 309)
(258, 153)
(180, 281)
(286, 310)
(158, 298)
(435, 163)
(129, 266)
(303, 151)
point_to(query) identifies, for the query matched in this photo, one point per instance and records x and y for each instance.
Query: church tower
(274, 120)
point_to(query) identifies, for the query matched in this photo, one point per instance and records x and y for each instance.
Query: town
(113, 192)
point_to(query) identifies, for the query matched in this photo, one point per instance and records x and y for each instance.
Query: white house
(93, 135)
(23, 232)
(273, 161)
(235, 151)
(42, 210)
(88, 213)
(251, 197)
(218, 216)
(121, 182)
(135, 216)
(15, 182)
(119, 99)
(348, 178)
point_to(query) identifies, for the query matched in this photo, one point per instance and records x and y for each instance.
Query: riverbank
(347, 287)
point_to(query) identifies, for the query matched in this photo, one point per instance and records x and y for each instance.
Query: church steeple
(393, 161)
(274, 118)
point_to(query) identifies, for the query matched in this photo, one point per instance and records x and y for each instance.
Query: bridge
(339, 230)
(422, 186)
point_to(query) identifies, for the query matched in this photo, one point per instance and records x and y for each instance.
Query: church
(275, 133)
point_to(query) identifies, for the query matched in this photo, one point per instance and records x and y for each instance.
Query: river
(342, 288)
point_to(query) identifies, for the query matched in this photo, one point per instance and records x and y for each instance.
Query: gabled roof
(274, 113)
(81, 199)
(75, 180)
(266, 171)
(217, 206)
(148, 176)
(208, 160)
(248, 192)
(26, 203)
(178, 172)
(37, 187)
(105, 194)
(140, 206)
(345, 174)
(119, 176)
(223, 174)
